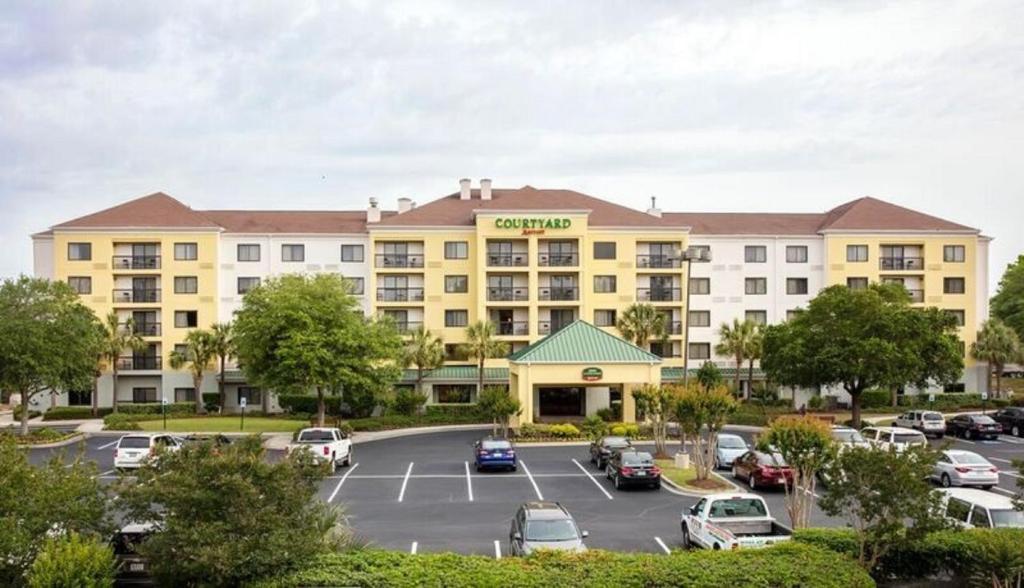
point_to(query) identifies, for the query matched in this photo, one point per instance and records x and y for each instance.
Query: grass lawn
(687, 478)
(224, 424)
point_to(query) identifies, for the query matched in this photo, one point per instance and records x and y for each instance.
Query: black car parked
(973, 426)
(1012, 420)
(629, 467)
(132, 568)
(603, 448)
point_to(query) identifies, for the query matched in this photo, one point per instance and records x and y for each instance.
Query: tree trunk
(24, 413)
(999, 381)
(480, 382)
(320, 406)
(893, 396)
(95, 396)
(113, 379)
(197, 382)
(855, 407)
(220, 384)
(739, 366)
(750, 378)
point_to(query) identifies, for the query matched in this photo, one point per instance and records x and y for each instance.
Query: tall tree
(497, 403)
(640, 323)
(198, 354)
(735, 341)
(223, 349)
(48, 339)
(861, 339)
(755, 349)
(116, 339)
(297, 333)
(701, 414)
(997, 345)
(656, 404)
(425, 351)
(806, 445)
(481, 345)
(1008, 303)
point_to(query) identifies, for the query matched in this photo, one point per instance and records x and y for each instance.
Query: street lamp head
(697, 254)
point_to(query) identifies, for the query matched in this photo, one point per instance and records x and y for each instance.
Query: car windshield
(496, 444)
(554, 530)
(984, 420)
(774, 459)
(1007, 518)
(616, 442)
(731, 443)
(909, 438)
(316, 436)
(637, 459)
(931, 416)
(850, 436)
(134, 443)
(738, 507)
(127, 543)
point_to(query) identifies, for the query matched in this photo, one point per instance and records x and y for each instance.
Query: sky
(709, 106)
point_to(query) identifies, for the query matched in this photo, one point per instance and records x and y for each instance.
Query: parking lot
(421, 493)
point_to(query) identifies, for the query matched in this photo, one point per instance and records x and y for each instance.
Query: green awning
(457, 374)
(675, 374)
(582, 342)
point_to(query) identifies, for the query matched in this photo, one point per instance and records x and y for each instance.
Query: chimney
(485, 189)
(654, 210)
(404, 205)
(373, 213)
(464, 192)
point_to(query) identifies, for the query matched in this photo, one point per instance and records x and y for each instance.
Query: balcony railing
(916, 295)
(657, 261)
(406, 327)
(512, 328)
(146, 329)
(659, 294)
(560, 293)
(901, 263)
(507, 259)
(508, 294)
(548, 327)
(674, 327)
(399, 260)
(136, 295)
(135, 262)
(399, 294)
(138, 362)
(558, 259)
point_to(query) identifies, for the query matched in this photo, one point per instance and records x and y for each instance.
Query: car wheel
(608, 472)
(334, 464)
(686, 537)
(940, 435)
(735, 474)
(656, 486)
(479, 468)
(986, 487)
(968, 434)
(718, 464)
(1015, 431)
(945, 481)
(751, 482)
(618, 482)
(348, 458)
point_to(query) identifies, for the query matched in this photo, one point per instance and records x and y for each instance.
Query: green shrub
(611, 414)
(211, 401)
(594, 426)
(454, 412)
(630, 430)
(564, 431)
(875, 398)
(407, 402)
(305, 403)
(73, 561)
(18, 410)
(155, 408)
(61, 413)
(121, 422)
(526, 431)
(815, 402)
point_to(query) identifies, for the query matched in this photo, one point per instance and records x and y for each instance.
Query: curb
(77, 437)
(680, 491)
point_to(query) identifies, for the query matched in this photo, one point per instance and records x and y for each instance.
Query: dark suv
(544, 525)
(1012, 420)
(633, 468)
(603, 448)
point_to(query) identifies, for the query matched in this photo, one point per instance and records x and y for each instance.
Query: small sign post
(163, 409)
(931, 399)
(984, 401)
(242, 402)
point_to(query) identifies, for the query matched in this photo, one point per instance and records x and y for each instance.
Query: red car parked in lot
(762, 469)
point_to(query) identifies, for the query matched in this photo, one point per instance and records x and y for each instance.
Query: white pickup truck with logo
(330, 445)
(731, 521)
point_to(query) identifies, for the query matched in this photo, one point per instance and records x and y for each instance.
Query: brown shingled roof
(155, 210)
(452, 211)
(746, 223)
(872, 214)
(292, 221)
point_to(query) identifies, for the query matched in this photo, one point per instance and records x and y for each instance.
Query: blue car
(494, 453)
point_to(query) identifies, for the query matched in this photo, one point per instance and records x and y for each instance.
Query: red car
(762, 469)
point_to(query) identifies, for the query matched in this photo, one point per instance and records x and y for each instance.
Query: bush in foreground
(73, 561)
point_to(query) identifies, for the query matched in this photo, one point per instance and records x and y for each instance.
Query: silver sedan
(729, 447)
(964, 468)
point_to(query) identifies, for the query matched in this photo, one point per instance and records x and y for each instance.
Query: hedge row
(306, 404)
(151, 408)
(398, 421)
(784, 565)
(62, 413)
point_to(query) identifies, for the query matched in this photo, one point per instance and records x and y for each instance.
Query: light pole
(689, 256)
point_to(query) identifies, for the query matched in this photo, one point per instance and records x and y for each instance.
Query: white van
(929, 422)
(897, 438)
(970, 508)
(133, 450)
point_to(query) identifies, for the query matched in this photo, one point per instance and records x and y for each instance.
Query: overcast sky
(718, 106)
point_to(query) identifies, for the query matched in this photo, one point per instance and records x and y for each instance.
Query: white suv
(132, 451)
(897, 438)
(928, 422)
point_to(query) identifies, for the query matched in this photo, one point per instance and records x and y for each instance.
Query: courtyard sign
(532, 226)
(592, 374)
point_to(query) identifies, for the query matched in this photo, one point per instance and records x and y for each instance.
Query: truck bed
(752, 528)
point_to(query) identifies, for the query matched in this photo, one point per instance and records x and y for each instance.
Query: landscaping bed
(687, 478)
(37, 436)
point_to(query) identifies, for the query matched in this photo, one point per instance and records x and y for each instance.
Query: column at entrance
(628, 403)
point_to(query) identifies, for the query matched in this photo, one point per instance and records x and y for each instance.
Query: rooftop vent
(464, 191)
(654, 210)
(373, 212)
(485, 189)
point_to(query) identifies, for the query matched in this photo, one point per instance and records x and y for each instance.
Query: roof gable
(156, 210)
(582, 342)
(872, 214)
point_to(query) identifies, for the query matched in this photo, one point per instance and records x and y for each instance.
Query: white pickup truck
(330, 445)
(731, 521)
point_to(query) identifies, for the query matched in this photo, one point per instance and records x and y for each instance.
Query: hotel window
(456, 284)
(796, 254)
(252, 396)
(702, 251)
(186, 285)
(293, 253)
(699, 351)
(144, 395)
(857, 283)
(80, 284)
(953, 286)
(759, 317)
(700, 285)
(79, 397)
(604, 318)
(456, 250)
(181, 348)
(958, 315)
(184, 394)
(755, 285)
(453, 393)
(352, 253)
(456, 318)
(700, 318)
(796, 285)
(604, 250)
(755, 254)
(358, 285)
(953, 253)
(186, 319)
(79, 251)
(604, 284)
(246, 284)
(248, 252)
(793, 313)
(186, 251)
(856, 253)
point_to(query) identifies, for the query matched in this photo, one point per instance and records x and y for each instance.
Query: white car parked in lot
(928, 422)
(132, 451)
(325, 444)
(897, 438)
(956, 467)
(970, 508)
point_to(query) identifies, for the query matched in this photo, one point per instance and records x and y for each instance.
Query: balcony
(657, 261)
(144, 329)
(407, 327)
(901, 263)
(398, 260)
(916, 296)
(549, 327)
(508, 294)
(513, 328)
(559, 294)
(136, 295)
(399, 294)
(129, 363)
(674, 327)
(507, 259)
(135, 262)
(549, 259)
(659, 294)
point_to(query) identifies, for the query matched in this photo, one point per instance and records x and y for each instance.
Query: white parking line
(592, 479)
(108, 445)
(1003, 490)
(342, 481)
(1000, 459)
(1011, 474)
(1008, 439)
(966, 441)
(532, 481)
(415, 545)
(106, 474)
(662, 545)
(401, 494)
(469, 482)
(497, 549)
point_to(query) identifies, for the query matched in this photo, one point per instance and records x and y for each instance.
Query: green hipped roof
(457, 373)
(582, 342)
(672, 374)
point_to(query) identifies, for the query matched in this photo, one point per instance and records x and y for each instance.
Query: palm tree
(223, 349)
(734, 341)
(481, 345)
(425, 351)
(642, 322)
(755, 348)
(198, 354)
(116, 338)
(997, 344)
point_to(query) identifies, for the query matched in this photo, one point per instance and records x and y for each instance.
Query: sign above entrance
(592, 374)
(533, 226)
